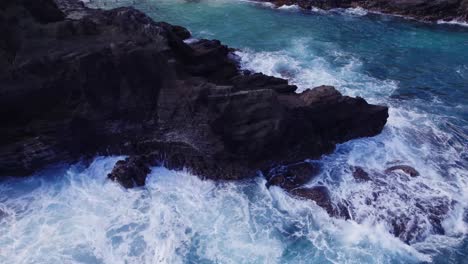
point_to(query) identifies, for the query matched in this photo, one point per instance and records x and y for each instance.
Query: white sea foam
(289, 7)
(352, 11)
(310, 71)
(191, 40)
(453, 22)
(411, 137)
(356, 11)
(265, 4)
(81, 217)
(178, 218)
(261, 3)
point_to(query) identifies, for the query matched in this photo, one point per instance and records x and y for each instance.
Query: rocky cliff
(429, 10)
(77, 82)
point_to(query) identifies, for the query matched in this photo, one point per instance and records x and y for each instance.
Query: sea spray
(78, 215)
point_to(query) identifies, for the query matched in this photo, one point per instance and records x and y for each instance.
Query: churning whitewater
(74, 214)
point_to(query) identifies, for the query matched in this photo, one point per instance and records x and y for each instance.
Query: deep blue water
(419, 70)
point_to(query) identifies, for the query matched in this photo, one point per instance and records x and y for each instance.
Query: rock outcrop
(321, 196)
(77, 82)
(419, 217)
(428, 10)
(359, 174)
(131, 172)
(408, 170)
(293, 176)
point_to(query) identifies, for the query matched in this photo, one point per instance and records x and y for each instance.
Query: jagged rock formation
(430, 10)
(89, 81)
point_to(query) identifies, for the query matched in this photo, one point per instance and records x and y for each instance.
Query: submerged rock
(293, 176)
(3, 214)
(321, 196)
(410, 218)
(427, 217)
(404, 168)
(360, 174)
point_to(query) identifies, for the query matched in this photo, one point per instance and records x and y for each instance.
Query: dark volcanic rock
(131, 172)
(320, 95)
(116, 82)
(321, 196)
(44, 11)
(430, 213)
(430, 10)
(309, 4)
(360, 174)
(323, 117)
(179, 31)
(293, 176)
(405, 168)
(422, 9)
(262, 81)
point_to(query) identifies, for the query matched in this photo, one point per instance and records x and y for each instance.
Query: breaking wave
(75, 215)
(453, 22)
(414, 209)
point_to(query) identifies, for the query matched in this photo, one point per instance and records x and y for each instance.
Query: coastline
(424, 12)
(234, 120)
(114, 82)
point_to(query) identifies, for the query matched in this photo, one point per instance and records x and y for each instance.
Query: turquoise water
(72, 214)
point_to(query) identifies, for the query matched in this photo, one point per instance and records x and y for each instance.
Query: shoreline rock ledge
(79, 82)
(425, 10)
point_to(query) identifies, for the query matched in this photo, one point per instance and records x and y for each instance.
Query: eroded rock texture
(430, 10)
(77, 82)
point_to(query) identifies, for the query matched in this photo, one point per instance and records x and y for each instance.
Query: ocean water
(73, 214)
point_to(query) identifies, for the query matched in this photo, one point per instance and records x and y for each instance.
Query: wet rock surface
(410, 219)
(293, 176)
(428, 215)
(429, 10)
(79, 82)
(131, 172)
(321, 196)
(84, 82)
(408, 170)
(360, 174)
